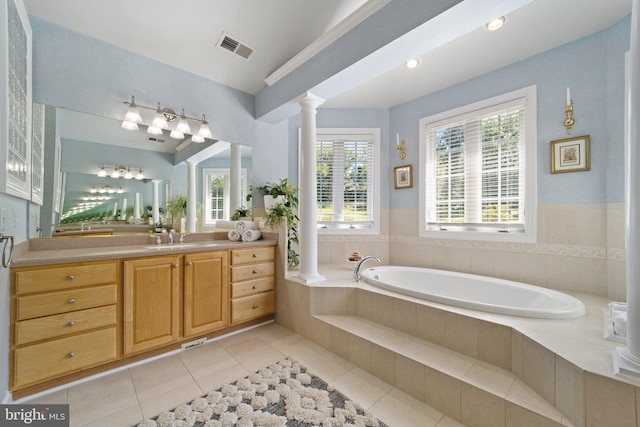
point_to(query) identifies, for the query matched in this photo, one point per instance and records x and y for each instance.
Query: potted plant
(285, 206)
(240, 213)
(177, 208)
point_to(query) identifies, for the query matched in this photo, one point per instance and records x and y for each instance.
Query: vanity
(83, 306)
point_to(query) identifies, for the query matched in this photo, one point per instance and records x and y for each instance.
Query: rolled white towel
(234, 235)
(242, 226)
(251, 235)
(226, 225)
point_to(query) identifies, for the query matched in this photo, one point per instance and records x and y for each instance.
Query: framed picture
(402, 177)
(570, 154)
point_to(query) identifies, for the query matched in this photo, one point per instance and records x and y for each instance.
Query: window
(216, 194)
(478, 170)
(347, 181)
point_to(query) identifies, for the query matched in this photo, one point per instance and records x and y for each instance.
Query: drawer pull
(255, 271)
(190, 263)
(254, 306)
(175, 266)
(71, 301)
(254, 287)
(71, 323)
(70, 355)
(70, 277)
(255, 255)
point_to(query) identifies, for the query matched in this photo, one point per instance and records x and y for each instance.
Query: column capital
(309, 100)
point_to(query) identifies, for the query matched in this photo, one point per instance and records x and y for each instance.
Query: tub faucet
(356, 269)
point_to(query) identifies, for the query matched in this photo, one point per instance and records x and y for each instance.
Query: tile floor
(128, 396)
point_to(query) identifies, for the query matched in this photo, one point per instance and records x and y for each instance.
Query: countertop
(45, 251)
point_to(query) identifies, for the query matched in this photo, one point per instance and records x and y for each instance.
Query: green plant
(279, 211)
(240, 212)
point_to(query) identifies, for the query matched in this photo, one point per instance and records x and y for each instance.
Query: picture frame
(570, 155)
(402, 177)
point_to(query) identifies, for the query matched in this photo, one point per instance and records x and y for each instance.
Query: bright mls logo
(34, 415)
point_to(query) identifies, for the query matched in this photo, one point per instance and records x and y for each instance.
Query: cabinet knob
(255, 271)
(255, 255)
(175, 266)
(254, 287)
(70, 277)
(70, 355)
(190, 263)
(71, 301)
(255, 306)
(71, 323)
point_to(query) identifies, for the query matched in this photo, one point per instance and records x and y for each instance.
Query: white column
(626, 361)
(235, 200)
(308, 232)
(155, 208)
(191, 196)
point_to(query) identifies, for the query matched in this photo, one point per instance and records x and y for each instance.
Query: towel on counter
(226, 225)
(251, 235)
(234, 235)
(242, 226)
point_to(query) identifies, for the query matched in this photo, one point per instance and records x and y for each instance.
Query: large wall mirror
(99, 172)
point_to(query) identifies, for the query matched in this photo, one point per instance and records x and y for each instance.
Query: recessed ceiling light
(412, 63)
(495, 24)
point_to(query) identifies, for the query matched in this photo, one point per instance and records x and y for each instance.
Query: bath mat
(282, 394)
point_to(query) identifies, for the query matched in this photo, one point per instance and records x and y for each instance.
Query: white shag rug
(282, 394)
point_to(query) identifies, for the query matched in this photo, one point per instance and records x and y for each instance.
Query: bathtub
(476, 292)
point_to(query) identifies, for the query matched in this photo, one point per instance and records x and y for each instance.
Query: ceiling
(184, 34)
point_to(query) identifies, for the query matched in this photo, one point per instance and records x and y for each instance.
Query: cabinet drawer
(31, 306)
(55, 358)
(253, 271)
(64, 324)
(250, 287)
(248, 256)
(59, 278)
(252, 307)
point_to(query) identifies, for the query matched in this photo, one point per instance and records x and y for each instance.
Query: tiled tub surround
(579, 248)
(478, 368)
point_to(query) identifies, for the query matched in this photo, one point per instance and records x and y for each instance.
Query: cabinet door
(151, 302)
(206, 292)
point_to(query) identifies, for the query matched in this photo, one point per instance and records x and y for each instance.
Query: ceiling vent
(154, 139)
(231, 44)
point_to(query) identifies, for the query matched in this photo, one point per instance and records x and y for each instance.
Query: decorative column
(155, 208)
(235, 200)
(308, 232)
(191, 196)
(136, 206)
(626, 361)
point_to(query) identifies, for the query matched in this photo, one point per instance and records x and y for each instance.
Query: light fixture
(160, 121)
(102, 173)
(128, 174)
(115, 173)
(140, 176)
(93, 190)
(495, 24)
(119, 191)
(412, 63)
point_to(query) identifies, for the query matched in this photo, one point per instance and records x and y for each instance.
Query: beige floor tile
(157, 377)
(490, 378)
(100, 397)
(128, 416)
(448, 422)
(399, 409)
(362, 387)
(272, 332)
(168, 400)
(205, 360)
(226, 376)
(328, 366)
(53, 398)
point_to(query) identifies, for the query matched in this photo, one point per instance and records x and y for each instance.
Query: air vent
(154, 139)
(230, 43)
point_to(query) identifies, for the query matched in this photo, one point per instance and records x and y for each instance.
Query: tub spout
(356, 269)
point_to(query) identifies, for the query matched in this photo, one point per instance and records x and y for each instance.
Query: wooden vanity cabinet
(206, 295)
(252, 283)
(151, 302)
(63, 318)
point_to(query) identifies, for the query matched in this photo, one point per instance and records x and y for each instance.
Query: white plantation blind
(476, 170)
(345, 180)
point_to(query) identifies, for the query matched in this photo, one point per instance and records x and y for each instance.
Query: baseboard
(7, 398)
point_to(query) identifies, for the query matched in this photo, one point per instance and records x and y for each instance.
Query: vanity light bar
(121, 172)
(161, 121)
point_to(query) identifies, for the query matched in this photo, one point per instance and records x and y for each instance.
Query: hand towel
(226, 225)
(242, 226)
(235, 235)
(251, 235)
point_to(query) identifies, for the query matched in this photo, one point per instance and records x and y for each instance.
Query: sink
(164, 246)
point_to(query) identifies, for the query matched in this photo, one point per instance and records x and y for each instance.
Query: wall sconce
(161, 121)
(569, 121)
(400, 146)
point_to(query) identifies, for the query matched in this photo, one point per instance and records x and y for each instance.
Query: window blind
(475, 175)
(345, 181)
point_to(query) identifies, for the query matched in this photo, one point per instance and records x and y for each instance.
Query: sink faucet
(170, 238)
(356, 269)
